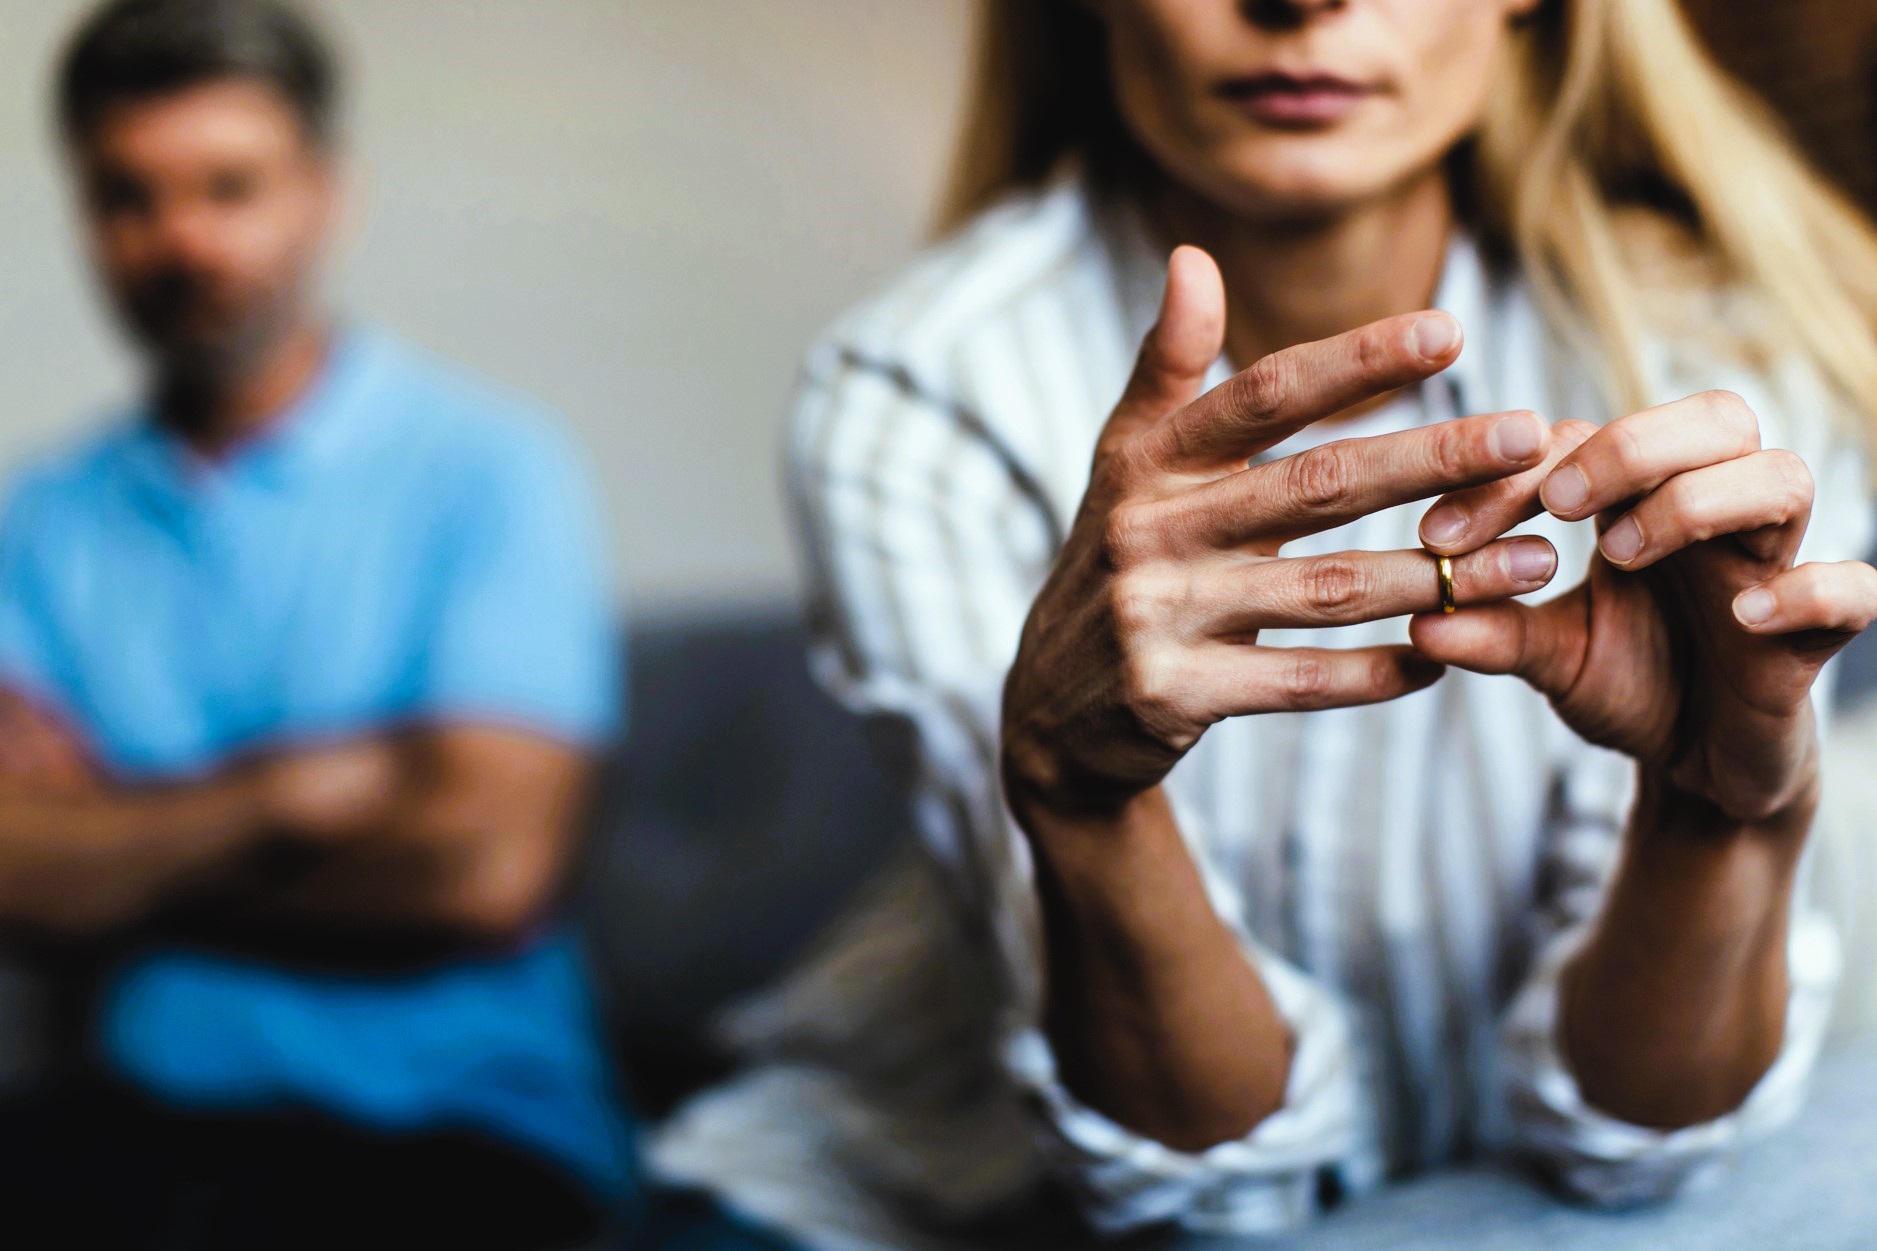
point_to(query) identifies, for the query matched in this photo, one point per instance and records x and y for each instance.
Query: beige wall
(639, 210)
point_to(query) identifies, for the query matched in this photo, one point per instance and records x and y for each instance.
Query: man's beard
(198, 337)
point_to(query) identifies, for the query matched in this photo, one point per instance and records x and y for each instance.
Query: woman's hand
(1693, 642)
(1146, 632)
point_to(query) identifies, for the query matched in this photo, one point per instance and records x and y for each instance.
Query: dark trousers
(99, 1169)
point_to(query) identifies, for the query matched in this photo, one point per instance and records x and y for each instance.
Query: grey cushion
(745, 811)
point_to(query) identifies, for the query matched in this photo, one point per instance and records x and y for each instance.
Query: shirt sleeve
(1593, 1155)
(28, 651)
(927, 538)
(529, 630)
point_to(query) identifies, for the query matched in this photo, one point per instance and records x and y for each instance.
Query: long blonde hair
(1615, 162)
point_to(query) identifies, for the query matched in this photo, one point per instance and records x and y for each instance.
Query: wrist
(1046, 795)
(1668, 811)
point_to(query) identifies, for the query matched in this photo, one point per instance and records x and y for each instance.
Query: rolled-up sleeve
(927, 542)
(1591, 1154)
(26, 662)
(1267, 1181)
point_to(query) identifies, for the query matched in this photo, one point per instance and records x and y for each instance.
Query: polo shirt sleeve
(528, 631)
(28, 661)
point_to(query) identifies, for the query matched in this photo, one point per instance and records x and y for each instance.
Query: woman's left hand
(1693, 642)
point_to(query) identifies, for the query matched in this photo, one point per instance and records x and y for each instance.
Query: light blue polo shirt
(406, 546)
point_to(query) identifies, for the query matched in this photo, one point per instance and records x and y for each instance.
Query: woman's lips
(1296, 100)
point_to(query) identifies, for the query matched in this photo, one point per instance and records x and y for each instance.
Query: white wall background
(639, 210)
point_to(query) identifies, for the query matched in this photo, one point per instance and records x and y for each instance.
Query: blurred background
(641, 211)
(637, 210)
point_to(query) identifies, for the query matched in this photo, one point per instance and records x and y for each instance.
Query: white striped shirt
(1408, 877)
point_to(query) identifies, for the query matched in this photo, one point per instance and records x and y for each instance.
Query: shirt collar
(311, 436)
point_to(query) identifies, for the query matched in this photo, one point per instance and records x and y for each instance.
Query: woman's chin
(1303, 179)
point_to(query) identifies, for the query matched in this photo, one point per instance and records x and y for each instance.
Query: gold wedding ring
(1444, 566)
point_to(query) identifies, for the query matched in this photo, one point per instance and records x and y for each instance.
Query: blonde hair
(1615, 166)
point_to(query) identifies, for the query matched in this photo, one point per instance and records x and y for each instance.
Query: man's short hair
(132, 50)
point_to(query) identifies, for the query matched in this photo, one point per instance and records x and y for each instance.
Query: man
(303, 666)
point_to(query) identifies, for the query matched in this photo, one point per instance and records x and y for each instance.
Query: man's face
(207, 210)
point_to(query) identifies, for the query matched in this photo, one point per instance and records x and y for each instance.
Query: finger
(1338, 482)
(1290, 389)
(1545, 644)
(1178, 352)
(1638, 453)
(1837, 597)
(1308, 679)
(1470, 518)
(1764, 498)
(1351, 587)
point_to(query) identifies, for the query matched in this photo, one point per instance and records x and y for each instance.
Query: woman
(1291, 880)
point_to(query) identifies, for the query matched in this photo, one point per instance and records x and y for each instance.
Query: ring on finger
(1443, 567)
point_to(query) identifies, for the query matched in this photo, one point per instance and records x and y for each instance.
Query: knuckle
(1573, 431)
(1450, 452)
(1375, 350)
(1307, 681)
(1124, 466)
(1733, 413)
(1334, 586)
(1814, 589)
(1137, 605)
(1264, 387)
(1796, 484)
(1140, 678)
(1150, 692)
(1681, 504)
(1385, 673)
(1318, 478)
(1127, 536)
(1626, 446)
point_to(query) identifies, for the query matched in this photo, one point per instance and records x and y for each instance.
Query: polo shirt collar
(314, 435)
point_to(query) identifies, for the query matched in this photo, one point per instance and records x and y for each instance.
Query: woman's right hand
(1146, 632)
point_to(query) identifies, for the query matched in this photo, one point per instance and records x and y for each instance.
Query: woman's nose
(1284, 14)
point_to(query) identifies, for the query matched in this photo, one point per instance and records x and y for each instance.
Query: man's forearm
(84, 862)
(419, 874)
(453, 833)
(1157, 1016)
(468, 847)
(1676, 1006)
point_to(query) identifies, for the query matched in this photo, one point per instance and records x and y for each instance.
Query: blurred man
(303, 665)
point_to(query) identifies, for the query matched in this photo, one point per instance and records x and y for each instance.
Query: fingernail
(1754, 607)
(1516, 439)
(1443, 526)
(1565, 490)
(1434, 337)
(1531, 562)
(1622, 543)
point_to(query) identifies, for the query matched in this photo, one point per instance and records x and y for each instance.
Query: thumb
(1545, 644)
(1175, 356)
